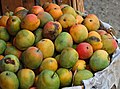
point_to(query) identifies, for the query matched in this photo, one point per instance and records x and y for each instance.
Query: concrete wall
(107, 10)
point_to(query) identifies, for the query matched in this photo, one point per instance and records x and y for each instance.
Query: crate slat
(43, 1)
(70, 2)
(74, 4)
(28, 3)
(59, 2)
(10, 5)
(0, 12)
(80, 5)
(0, 8)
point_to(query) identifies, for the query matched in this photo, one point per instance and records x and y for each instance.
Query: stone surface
(106, 10)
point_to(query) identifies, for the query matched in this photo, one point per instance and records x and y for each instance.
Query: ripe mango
(49, 63)
(67, 20)
(47, 47)
(92, 22)
(32, 58)
(79, 33)
(65, 76)
(95, 40)
(4, 35)
(26, 78)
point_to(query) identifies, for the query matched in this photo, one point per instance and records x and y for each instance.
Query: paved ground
(107, 10)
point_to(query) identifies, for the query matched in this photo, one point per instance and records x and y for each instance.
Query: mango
(1, 57)
(55, 11)
(51, 30)
(10, 63)
(65, 77)
(49, 63)
(13, 25)
(38, 35)
(3, 20)
(24, 39)
(79, 33)
(110, 45)
(47, 47)
(44, 17)
(4, 35)
(57, 58)
(48, 6)
(9, 80)
(36, 10)
(68, 57)
(13, 50)
(32, 57)
(85, 50)
(26, 78)
(80, 65)
(62, 41)
(67, 20)
(79, 19)
(82, 75)
(3, 46)
(21, 13)
(92, 22)
(30, 22)
(95, 40)
(18, 9)
(99, 60)
(48, 79)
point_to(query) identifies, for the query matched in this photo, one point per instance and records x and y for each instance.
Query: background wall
(107, 10)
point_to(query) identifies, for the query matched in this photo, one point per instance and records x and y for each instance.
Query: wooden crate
(10, 5)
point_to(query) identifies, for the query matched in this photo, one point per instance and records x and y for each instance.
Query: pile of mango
(51, 47)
